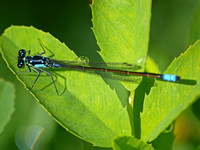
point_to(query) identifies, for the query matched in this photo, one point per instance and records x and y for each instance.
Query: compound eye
(22, 53)
(20, 65)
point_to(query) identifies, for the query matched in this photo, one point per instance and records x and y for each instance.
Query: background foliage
(172, 27)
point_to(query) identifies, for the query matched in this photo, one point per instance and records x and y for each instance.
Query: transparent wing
(124, 66)
(121, 66)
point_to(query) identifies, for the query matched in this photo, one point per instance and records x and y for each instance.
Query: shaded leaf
(130, 143)
(7, 97)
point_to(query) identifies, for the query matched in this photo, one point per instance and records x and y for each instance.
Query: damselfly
(38, 63)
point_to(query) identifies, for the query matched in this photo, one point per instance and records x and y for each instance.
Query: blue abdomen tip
(169, 77)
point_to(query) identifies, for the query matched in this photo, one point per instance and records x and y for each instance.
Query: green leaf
(88, 108)
(7, 96)
(130, 143)
(151, 66)
(122, 28)
(167, 100)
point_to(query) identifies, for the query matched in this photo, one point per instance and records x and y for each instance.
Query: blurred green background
(70, 22)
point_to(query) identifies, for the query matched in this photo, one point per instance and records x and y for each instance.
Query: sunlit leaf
(88, 107)
(122, 29)
(167, 100)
